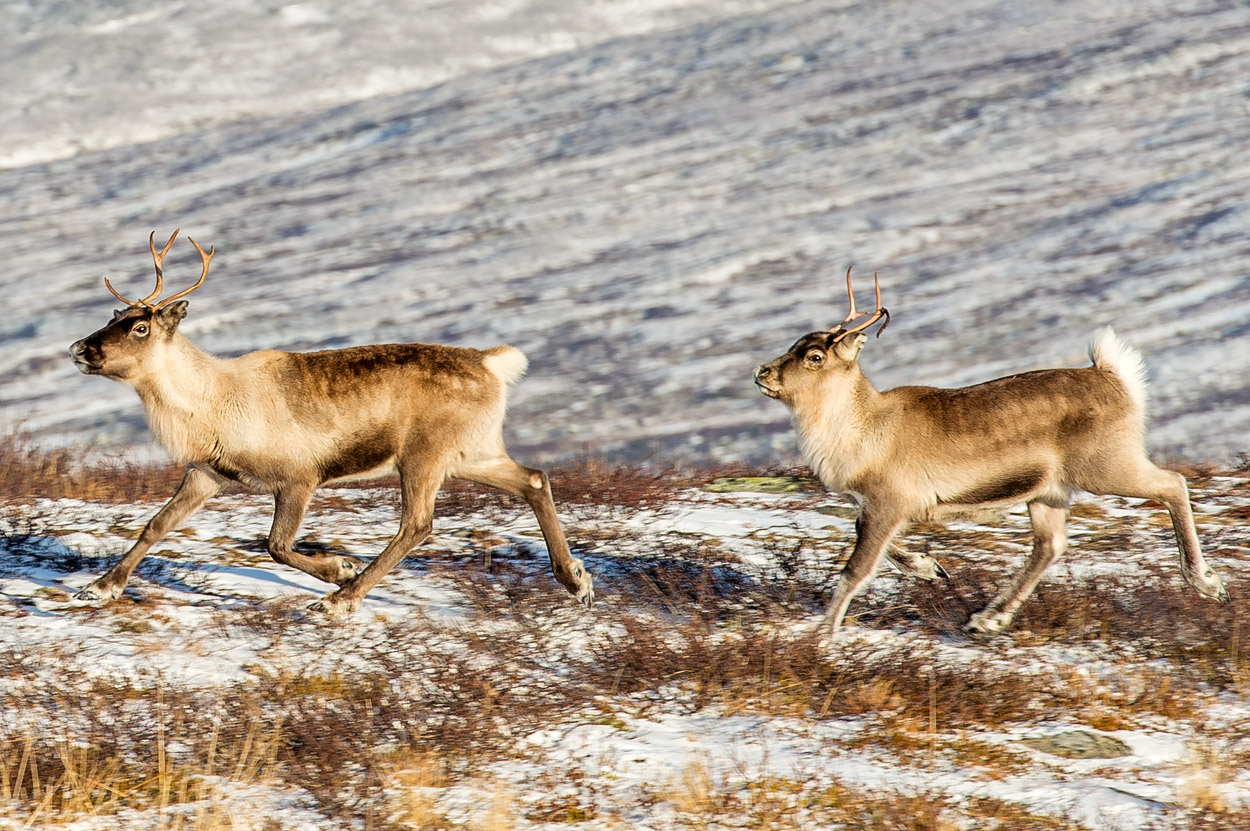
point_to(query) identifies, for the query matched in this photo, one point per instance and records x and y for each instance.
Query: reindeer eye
(815, 357)
(139, 330)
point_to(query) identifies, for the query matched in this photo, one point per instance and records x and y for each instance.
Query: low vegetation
(427, 721)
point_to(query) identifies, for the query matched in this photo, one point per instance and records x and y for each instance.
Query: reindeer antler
(873, 316)
(207, 258)
(159, 261)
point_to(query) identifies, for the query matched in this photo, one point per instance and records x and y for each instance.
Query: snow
(648, 744)
(648, 198)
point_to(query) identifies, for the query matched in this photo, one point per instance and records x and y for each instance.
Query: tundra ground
(471, 692)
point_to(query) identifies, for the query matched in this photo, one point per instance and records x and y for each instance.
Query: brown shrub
(29, 471)
(758, 669)
(1151, 615)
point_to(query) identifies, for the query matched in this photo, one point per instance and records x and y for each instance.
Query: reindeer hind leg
(535, 488)
(1050, 540)
(1147, 481)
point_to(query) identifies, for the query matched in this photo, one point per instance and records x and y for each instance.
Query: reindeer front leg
(198, 486)
(874, 531)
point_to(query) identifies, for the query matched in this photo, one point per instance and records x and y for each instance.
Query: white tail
(507, 363)
(1110, 353)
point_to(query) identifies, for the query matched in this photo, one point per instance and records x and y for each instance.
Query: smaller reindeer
(920, 453)
(289, 422)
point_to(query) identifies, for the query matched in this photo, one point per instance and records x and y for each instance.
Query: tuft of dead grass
(29, 471)
(132, 749)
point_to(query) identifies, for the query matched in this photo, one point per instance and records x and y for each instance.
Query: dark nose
(84, 350)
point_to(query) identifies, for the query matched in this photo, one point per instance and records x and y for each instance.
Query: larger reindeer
(289, 422)
(916, 453)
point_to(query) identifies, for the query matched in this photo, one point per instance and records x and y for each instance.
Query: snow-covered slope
(648, 198)
(209, 615)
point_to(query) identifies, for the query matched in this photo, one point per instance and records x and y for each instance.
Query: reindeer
(289, 422)
(920, 453)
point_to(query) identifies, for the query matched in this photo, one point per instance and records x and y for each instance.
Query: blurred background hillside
(648, 197)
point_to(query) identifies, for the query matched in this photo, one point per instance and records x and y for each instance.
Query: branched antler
(207, 258)
(873, 316)
(159, 261)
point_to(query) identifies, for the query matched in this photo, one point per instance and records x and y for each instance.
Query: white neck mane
(179, 395)
(836, 435)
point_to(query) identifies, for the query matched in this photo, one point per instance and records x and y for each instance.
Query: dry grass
(1145, 616)
(141, 749)
(380, 744)
(701, 800)
(28, 472)
(356, 742)
(423, 708)
(760, 671)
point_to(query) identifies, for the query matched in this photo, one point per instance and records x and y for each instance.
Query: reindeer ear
(170, 316)
(848, 348)
(117, 313)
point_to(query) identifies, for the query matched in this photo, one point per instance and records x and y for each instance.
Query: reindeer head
(819, 362)
(140, 331)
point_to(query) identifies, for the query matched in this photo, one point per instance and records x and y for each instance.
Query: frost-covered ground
(649, 198)
(209, 615)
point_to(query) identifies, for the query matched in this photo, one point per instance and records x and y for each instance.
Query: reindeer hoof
(1209, 585)
(986, 623)
(921, 567)
(583, 588)
(826, 631)
(95, 593)
(332, 606)
(931, 570)
(1218, 592)
(349, 570)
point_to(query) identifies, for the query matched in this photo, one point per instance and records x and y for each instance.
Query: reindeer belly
(1005, 488)
(363, 454)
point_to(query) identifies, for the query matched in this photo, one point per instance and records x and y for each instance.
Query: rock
(1079, 744)
(758, 484)
(842, 511)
